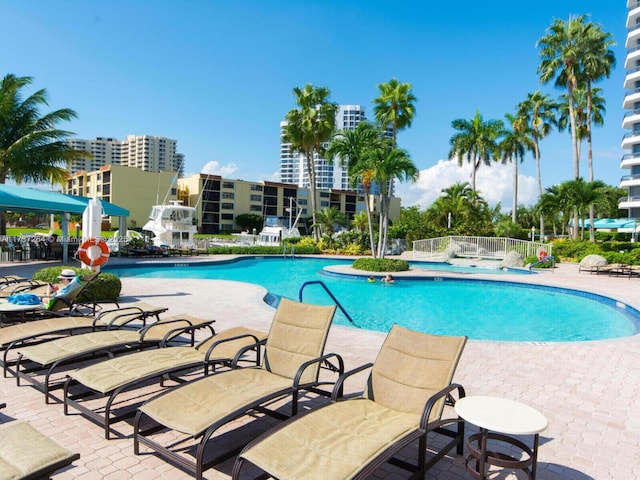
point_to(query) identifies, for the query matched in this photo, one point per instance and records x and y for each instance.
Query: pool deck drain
(589, 391)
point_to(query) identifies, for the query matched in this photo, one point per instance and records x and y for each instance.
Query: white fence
(477, 247)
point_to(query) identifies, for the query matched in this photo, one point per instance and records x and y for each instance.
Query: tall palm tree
(555, 203)
(389, 164)
(394, 109)
(307, 129)
(598, 61)
(31, 147)
(513, 146)
(476, 142)
(328, 218)
(353, 147)
(540, 113)
(561, 52)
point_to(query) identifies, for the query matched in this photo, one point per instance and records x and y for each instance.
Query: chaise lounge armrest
(185, 325)
(338, 389)
(256, 345)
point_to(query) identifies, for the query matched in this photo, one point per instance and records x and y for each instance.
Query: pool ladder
(284, 251)
(335, 300)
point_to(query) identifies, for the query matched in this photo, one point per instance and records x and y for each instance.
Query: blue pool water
(480, 309)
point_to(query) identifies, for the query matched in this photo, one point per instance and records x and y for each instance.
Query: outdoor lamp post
(533, 234)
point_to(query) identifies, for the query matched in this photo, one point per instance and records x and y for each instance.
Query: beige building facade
(218, 200)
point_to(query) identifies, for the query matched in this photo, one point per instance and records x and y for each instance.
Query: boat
(277, 228)
(172, 225)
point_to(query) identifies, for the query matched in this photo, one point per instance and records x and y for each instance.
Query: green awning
(22, 199)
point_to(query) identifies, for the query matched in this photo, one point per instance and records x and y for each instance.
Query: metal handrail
(335, 300)
(544, 260)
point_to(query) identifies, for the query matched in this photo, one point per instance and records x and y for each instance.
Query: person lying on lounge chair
(69, 283)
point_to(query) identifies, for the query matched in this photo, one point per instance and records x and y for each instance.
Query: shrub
(381, 265)
(106, 286)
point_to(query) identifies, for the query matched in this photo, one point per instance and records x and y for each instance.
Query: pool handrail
(326, 289)
(550, 258)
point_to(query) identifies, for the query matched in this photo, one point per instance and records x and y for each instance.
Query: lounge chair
(293, 356)
(45, 358)
(115, 376)
(72, 304)
(21, 334)
(26, 454)
(350, 439)
(31, 286)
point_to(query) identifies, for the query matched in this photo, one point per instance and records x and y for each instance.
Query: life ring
(542, 254)
(83, 252)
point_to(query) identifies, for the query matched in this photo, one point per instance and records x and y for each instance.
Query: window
(256, 198)
(226, 216)
(227, 206)
(228, 195)
(228, 185)
(255, 208)
(256, 188)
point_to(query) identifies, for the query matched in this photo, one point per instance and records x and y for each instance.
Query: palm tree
(307, 129)
(31, 147)
(475, 142)
(561, 52)
(389, 164)
(555, 203)
(513, 146)
(540, 113)
(598, 61)
(394, 109)
(584, 195)
(328, 218)
(353, 147)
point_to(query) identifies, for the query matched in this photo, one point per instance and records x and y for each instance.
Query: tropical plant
(394, 109)
(475, 142)
(307, 130)
(389, 164)
(583, 195)
(330, 218)
(512, 147)
(353, 147)
(539, 111)
(31, 147)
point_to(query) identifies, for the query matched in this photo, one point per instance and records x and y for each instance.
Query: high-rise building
(329, 175)
(103, 150)
(145, 152)
(631, 139)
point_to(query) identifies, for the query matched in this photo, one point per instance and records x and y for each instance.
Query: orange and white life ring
(93, 259)
(542, 254)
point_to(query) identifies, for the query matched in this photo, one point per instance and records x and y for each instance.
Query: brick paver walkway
(589, 391)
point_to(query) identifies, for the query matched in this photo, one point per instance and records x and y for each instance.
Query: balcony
(630, 118)
(630, 139)
(633, 55)
(628, 181)
(631, 98)
(629, 202)
(632, 15)
(630, 160)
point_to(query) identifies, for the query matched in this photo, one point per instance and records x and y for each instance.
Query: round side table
(498, 418)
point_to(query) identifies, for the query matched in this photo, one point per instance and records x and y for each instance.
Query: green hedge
(263, 250)
(381, 265)
(106, 286)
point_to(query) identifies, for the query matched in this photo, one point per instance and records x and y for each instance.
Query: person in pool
(387, 279)
(372, 279)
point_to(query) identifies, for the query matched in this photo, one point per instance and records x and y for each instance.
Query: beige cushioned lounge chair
(112, 377)
(22, 333)
(292, 360)
(26, 454)
(46, 357)
(403, 401)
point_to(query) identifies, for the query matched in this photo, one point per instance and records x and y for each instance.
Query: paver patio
(589, 391)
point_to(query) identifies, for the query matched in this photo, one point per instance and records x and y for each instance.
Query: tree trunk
(514, 215)
(576, 155)
(312, 190)
(536, 152)
(367, 208)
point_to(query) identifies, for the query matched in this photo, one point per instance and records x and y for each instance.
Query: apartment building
(329, 175)
(145, 152)
(130, 188)
(631, 120)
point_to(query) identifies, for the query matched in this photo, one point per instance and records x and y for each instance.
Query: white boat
(172, 225)
(278, 228)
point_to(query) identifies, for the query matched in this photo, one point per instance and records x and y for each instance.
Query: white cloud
(495, 184)
(214, 168)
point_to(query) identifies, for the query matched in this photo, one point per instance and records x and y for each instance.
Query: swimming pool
(480, 309)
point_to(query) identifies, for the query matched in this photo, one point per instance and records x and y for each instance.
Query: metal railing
(477, 247)
(331, 295)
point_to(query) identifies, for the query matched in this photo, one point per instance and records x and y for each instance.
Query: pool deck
(589, 391)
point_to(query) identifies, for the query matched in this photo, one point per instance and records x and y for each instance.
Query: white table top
(501, 415)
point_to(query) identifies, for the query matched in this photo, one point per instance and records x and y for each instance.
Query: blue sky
(217, 76)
